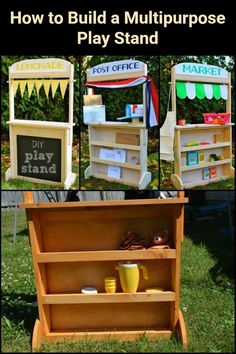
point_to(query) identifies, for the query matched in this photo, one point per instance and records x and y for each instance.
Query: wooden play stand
(41, 137)
(130, 136)
(188, 176)
(76, 244)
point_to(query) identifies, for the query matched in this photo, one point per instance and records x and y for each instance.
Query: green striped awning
(200, 90)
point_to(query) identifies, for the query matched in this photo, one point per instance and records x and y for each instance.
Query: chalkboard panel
(39, 157)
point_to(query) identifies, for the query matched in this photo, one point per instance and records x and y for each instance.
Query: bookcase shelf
(76, 244)
(129, 137)
(187, 176)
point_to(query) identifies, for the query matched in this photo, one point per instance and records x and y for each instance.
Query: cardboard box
(94, 114)
(129, 139)
(91, 100)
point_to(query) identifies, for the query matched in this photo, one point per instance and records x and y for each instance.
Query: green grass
(207, 293)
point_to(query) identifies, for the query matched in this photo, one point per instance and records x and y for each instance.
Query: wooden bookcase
(188, 176)
(76, 244)
(107, 136)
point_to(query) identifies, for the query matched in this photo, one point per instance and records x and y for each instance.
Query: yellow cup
(110, 284)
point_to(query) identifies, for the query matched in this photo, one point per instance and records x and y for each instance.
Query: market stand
(41, 151)
(202, 152)
(118, 149)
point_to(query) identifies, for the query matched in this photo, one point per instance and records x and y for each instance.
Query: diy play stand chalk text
(39, 157)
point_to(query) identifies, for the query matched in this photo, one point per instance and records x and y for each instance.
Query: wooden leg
(181, 328)
(176, 182)
(37, 335)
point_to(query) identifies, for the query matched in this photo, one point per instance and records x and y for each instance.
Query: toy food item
(132, 241)
(154, 290)
(181, 121)
(192, 143)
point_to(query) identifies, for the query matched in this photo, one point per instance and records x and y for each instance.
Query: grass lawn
(21, 184)
(93, 183)
(207, 293)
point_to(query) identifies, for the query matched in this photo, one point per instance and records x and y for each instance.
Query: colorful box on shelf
(216, 118)
(205, 174)
(213, 172)
(192, 158)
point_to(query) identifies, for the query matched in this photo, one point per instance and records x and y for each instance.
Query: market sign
(39, 157)
(201, 70)
(116, 68)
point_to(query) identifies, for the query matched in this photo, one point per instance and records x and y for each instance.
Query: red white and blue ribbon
(152, 99)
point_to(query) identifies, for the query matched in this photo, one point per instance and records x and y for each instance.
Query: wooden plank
(202, 183)
(123, 125)
(127, 139)
(37, 335)
(89, 256)
(110, 162)
(206, 164)
(40, 124)
(114, 145)
(105, 203)
(110, 316)
(107, 298)
(109, 334)
(202, 126)
(201, 78)
(28, 197)
(205, 147)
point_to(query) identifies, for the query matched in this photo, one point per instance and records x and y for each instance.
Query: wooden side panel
(108, 317)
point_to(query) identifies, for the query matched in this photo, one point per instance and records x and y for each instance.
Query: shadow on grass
(19, 307)
(213, 231)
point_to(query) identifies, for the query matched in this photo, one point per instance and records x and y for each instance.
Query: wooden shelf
(116, 255)
(203, 183)
(196, 127)
(114, 145)
(126, 125)
(105, 203)
(122, 334)
(204, 147)
(115, 163)
(107, 298)
(205, 165)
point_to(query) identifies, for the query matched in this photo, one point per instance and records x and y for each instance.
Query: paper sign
(114, 171)
(118, 155)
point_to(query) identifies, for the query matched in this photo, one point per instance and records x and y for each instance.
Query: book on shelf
(213, 172)
(205, 174)
(192, 158)
(201, 157)
(183, 159)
